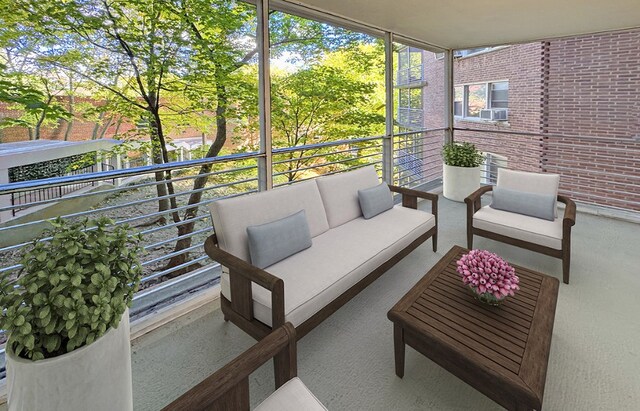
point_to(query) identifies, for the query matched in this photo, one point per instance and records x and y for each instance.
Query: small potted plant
(67, 319)
(461, 170)
(489, 277)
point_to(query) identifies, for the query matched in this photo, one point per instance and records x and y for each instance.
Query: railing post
(5, 200)
(448, 95)
(387, 141)
(265, 161)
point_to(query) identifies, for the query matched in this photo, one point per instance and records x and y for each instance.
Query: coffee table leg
(398, 345)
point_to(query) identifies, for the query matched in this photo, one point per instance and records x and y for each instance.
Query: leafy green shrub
(461, 155)
(72, 288)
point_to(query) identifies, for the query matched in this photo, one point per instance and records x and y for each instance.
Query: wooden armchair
(547, 237)
(228, 388)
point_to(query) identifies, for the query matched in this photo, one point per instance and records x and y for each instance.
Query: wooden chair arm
(225, 386)
(570, 210)
(241, 275)
(410, 198)
(241, 267)
(474, 199)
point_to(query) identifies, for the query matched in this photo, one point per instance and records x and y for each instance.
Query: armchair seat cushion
(336, 261)
(522, 227)
(292, 396)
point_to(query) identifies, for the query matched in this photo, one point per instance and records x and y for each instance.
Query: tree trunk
(96, 126)
(72, 102)
(199, 183)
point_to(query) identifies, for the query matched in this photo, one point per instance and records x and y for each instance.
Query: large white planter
(96, 377)
(459, 182)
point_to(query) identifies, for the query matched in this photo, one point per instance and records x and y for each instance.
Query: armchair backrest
(537, 183)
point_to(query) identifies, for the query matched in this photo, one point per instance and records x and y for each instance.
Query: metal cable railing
(137, 204)
(600, 171)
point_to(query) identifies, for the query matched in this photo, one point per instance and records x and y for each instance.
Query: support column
(265, 161)
(448, 96)
(387, 141)
(5, 200)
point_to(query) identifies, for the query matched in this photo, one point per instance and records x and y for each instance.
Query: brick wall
(582, 93)
(594, 95)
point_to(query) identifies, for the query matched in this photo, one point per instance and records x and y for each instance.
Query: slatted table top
(509, 344)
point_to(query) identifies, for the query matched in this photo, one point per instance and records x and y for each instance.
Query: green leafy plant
(72, 288)
(461, 155)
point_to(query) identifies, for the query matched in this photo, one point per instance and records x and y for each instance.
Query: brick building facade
(573, 109)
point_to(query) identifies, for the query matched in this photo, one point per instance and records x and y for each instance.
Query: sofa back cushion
(340, 193)
(536, 183)
(232, 216)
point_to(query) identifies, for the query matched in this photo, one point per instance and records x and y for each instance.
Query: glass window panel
(403, 58)
(457, 108)
(458, 93)
(499, 104)
(415, 99)
(476, 99)
(404, 98)
(499, 95)
(415, 58)
(500, 86)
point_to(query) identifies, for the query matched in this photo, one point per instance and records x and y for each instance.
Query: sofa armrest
(473, 200)
(241, 275)
(410, 198)
(569, 212)
(228, 388)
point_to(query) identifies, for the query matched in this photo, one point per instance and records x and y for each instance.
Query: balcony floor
(348, 360)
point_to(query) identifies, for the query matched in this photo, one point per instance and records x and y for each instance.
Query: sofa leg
(469, 239)
(566, 264)
(435, 242)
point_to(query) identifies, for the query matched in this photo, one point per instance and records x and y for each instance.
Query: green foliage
(72, 289)
(461, 155)
(51, 168)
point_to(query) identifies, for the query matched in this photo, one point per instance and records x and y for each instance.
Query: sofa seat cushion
(337, 260)
(292, 396)
(522, 227)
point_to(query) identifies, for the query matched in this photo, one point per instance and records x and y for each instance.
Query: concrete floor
(348, 360)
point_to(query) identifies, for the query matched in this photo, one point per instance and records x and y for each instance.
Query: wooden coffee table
(502, 352)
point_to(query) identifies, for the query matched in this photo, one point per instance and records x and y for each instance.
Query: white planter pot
(96, 377)
(459, 182)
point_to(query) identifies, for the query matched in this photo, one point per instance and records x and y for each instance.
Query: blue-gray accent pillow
(277, 240)
(531, 204)
(375, 200)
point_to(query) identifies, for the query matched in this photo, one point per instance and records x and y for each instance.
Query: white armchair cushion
(340, 193)
(522, 227)
(292, 396)
(536, 183)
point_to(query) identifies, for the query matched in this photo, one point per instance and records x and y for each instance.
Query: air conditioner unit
(494, 114)
(486, 114)
(500, 114)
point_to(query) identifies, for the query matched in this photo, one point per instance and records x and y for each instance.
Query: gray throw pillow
(531, 204)
(375, 200)
(277, 240)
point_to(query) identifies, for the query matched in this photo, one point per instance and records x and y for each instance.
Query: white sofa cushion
(292, 396)
(536, 183)
(231, 216)
(340, 193)
(337, 260)
(522, 227)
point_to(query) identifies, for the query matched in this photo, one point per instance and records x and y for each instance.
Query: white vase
(96, 377)
(459, 182)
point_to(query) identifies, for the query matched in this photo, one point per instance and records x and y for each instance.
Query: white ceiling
(461, 24)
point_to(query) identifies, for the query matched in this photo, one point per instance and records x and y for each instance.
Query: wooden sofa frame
(241, 274)
(228, 388)
(474, 204)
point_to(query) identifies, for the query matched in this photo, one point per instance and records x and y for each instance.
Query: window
(458, 100)
(473, 101)
(410, 98)
(409, 65)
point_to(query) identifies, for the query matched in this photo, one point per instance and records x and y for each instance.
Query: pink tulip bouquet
(490, 277)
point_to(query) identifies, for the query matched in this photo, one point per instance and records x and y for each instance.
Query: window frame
(488, 98)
